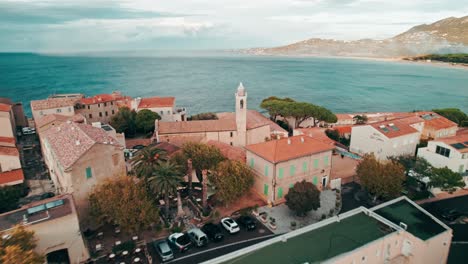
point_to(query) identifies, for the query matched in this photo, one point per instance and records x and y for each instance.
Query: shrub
(323, 217)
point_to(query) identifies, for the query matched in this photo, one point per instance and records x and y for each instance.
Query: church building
(241, 128)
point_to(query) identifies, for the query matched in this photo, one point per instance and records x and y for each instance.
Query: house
(99, 108)
(398, 231)
(279, 164)
(46, 122)
(55, 225)
(241, 128)
(163, 106)
(18, 112)
(62, 106)
(7, 121)
(450, 152)
(437, 126)
(80, 156)
(316, 133)
(388, 138)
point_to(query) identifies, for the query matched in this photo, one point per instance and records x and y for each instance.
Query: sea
(206, 82)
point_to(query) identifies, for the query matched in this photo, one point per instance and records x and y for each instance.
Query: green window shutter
(316, 163)
(265, 189)
(89, 173)
(292, 170)
(280, 192)
(460, 169)
(266, 170)
(325, 160)
(281, 173)
(315, 180)
(252, 162)
(291, 185)
(304, 167)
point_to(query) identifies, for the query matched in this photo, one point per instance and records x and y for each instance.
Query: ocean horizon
(206, 81)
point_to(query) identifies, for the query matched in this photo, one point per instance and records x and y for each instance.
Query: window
(162, 113)
(315, 180)
(252, 162)
(232, 134)
(100, 114)
(266, 170)
(98, 105)
(89, 173)
(325, 161)
(168, 112)
(69, 109)
(443, 151)
(241, 104)
(265, 189)
(304, 167)
(41, 113)
(90, 115)
(113, 112)
(112, 103)
(280, 173)
(59, 110)
(292, 170)
(105, 104)
(461, 168)
(230, 143)
(291, 185)
(316, 163)
(89, 107)
(280, 192)
(107, 113)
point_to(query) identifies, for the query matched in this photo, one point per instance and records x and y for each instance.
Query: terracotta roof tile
(317, 133)
(344, 116)
(11, 177)
(343, 129)
(435, 121)
(394, 128)
(280, 150)
(168, 147)
(51, 103)
(254, 120)
(5, 107)
(152, 102)
(461, 140)
(9, 151)
(70, 141)
(228, 151)
(100, 98)
(7, 141)
(196, 126)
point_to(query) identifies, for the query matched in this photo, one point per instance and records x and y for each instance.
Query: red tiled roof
(152, 102)
(254, 120)
(7, 141)
(437, 122)
(196, 126)
(280, 150)
(12, 177)
(458, 139)
(228, 151)
(70, 141)
(9, 151)
(51, 103)
(344, 116)
(343, 129)
(5, 107)
(100, 98)
(402, 128)
(316, 133)
(131, 142)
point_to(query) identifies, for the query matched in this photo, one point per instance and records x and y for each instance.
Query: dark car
(139, 147)
(451, 215)
(247, 222)
(213, 232)
(180, 241)
(47, 195)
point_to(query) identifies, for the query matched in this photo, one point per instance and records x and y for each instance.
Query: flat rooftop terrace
(320, 244)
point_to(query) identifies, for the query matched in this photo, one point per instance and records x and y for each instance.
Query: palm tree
(147, 161)
(167, 177)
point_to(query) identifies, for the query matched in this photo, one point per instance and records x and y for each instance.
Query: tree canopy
(144, 120)
(124, 202)
(300, 111)
(18, 246)
(204, 116)
(167, 177)
(420, 166)
(204, 157)
(382, 179)
(446, 179)
(303, 197)
(147, 160)
(124, 121)
(9, 197)
(232, 179)
(453, 114)
(360, 119)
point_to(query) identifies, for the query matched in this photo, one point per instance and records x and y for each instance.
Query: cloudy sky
(106, 25)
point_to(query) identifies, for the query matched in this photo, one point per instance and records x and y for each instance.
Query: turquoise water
(207, 83)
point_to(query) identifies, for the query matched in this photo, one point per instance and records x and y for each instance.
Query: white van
(198, 237)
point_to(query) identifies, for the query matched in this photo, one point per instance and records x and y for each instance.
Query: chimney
(77, 143)
(302, 139)
(289, 141)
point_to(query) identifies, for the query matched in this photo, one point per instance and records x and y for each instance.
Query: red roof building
(12, 177)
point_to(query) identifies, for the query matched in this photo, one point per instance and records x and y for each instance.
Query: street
(215, 249)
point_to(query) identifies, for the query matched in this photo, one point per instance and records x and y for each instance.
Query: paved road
(230, 243)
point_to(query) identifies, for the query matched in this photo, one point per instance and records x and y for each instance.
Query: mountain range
(445, 36)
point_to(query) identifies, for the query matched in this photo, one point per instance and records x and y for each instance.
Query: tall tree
(18, 246)
(125, 202)
(446, 179)
(232, 179)
(145, 119)
(303, 197)
(275, 106)
(382, 179)
(420, 166)
(360, 119)
(147, 160)
(203, 156)
(124, 121)
(453, 114)
(165, 181)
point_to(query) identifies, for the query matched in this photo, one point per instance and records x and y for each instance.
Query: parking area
(230, 243)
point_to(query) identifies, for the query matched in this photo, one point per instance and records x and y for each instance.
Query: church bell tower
(241, 115)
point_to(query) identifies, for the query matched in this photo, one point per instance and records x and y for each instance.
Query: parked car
(197, 237)
(230, 225)
(450, 214)
(179, 241)
(164, 250)
(247, 222)
(213, 232)
(47, 195)
(28, 130)
(139, 147)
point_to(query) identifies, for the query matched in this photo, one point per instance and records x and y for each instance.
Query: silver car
(164, 251)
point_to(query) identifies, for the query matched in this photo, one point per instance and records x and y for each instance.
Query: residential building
(399, 231)
(316, 133)
(55, 225)
(46, 122)
(387, 138)
(80, 156)
(450, 152)
(241, 128)
(18, 112)
(62, 106)
(279, 164)
(437, 126)
(100, 108)
(163, 106)
(7, 121)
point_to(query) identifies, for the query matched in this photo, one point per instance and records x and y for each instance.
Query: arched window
(242, 103)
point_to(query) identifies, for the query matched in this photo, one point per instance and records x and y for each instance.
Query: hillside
(449, 35)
